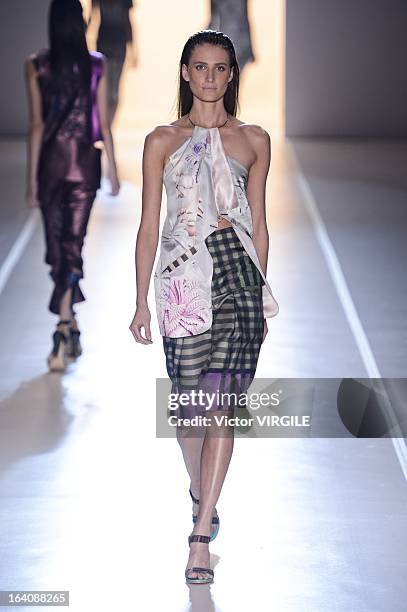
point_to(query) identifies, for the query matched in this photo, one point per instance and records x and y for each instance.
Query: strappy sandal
(207, 570)
(215, 519)
(56, 359)
(74, 348)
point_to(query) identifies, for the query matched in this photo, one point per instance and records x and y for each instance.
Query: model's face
(208, 72)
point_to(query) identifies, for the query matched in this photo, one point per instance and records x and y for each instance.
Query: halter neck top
(202, 183)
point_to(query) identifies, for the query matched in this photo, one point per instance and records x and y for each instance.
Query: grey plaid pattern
(232, 266)
(232, 344)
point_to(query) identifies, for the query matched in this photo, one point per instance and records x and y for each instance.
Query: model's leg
(65, 312)
(76, 212)
(191, 441)
(52, 215)
(76, 206)
(115, 68)
(51, 211)
(216, 454)
(185, 360)
(53, 220)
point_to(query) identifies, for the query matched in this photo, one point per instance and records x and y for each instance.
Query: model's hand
(133, 54)
(114, 185)
(134, 60)
(31, 198)
(265, 332)
(141, 319)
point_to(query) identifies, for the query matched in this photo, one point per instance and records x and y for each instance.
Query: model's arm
(93, 24)
(35, 132)
(133, 41)
(256, 195)
(256, 192)
(102, 105)
(148, 233)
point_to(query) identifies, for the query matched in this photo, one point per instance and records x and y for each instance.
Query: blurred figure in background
(67, 95)
(230, 17)
(114, 36)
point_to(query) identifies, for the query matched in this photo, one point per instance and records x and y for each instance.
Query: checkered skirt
(223, 359)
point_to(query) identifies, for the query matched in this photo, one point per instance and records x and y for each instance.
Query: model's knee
(220, 424)
(190, 431)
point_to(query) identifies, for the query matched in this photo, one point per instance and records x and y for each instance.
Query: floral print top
(202, 185)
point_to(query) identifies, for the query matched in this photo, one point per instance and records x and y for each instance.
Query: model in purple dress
(67, 95)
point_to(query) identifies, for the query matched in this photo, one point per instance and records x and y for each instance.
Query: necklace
(215, 126)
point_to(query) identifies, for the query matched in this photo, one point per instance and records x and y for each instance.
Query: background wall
(345, 65)
(346, 68)
(23, 30)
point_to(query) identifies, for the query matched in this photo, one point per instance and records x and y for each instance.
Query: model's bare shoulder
(157, 139)
(163, 135)
(258, 139)
(169, 138)
(162, 140)
(29, 64)
(154, 151)
(255, 133)
(30, 58)
(32, 61)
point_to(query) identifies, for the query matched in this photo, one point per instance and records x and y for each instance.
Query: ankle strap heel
(199, 538)
(194, 499)
(207, 570)
(64, 322)
(215, 518)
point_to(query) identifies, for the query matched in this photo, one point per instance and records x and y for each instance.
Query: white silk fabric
(201, 183)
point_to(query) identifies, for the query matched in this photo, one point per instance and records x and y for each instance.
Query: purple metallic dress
(69, 172)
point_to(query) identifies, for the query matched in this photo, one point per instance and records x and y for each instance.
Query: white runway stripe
(350, 311)
(17, 249)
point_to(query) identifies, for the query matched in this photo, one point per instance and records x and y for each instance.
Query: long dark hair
(211, 37)
(69, 54)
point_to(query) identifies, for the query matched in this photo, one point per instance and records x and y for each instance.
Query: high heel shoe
(56, 359)
(74, 347)
(207, 570)
(215, 519)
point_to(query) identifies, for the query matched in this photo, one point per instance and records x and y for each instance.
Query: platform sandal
(56, 359)
(74, 348)
(215, 519)
(207, 570)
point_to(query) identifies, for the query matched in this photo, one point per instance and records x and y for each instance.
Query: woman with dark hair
(66, 88)
(212, 295)
(231, 16)
(115, 36)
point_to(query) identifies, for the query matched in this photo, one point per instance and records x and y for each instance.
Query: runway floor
(91, 501)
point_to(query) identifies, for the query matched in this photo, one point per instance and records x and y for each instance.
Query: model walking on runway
(231, 16)
(212, 295)
(115, 36)
(67, 94)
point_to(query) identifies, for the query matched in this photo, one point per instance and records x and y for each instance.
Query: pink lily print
(185, 308)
